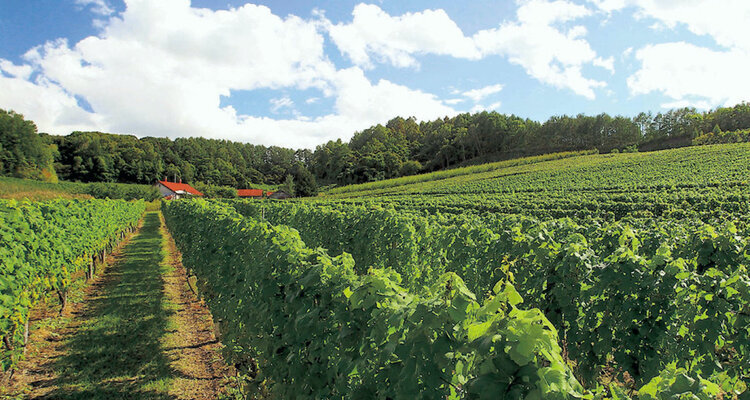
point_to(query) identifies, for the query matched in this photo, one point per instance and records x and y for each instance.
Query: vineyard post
(62, 294)
(190, 276)
(26, 332)
(8, 344)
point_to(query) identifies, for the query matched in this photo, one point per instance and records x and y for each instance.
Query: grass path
(138, 334)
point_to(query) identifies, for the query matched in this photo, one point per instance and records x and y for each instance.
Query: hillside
(697, 179)
(16, 188)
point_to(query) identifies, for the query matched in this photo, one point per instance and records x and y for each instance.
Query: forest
(403, 146)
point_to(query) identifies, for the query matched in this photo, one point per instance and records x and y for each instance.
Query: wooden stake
(63, 295)
(26, 332)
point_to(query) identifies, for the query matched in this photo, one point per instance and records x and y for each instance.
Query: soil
(193, 348)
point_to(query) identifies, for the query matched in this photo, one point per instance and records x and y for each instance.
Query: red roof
(176, 187)
(249, 192)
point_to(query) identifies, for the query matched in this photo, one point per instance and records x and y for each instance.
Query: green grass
(15, 188)
(116, 352)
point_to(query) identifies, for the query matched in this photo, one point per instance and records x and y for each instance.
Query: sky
(297, 73)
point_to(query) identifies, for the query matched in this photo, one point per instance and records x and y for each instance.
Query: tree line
(401, 147)
(405, 147)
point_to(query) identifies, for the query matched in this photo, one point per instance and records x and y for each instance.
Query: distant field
(697, 179)
(450, 173)
(14, 188)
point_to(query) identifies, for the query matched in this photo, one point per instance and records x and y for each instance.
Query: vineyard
(375, 200)
(568, 276)
(582, 276)
(43, 246)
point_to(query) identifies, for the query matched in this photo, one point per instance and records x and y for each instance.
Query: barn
(176, 190)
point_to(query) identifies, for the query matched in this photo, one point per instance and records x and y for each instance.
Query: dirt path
(137, 333)
(192, 346)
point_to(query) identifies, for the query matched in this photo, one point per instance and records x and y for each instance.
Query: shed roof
(181, 187)
(250, 192)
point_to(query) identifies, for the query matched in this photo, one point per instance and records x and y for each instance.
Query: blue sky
(299, 73)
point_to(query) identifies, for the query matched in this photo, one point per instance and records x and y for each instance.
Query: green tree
(24, 153)
(288, 185)
(304, 181)
(216, 191)
(411, 167)
(173, 173)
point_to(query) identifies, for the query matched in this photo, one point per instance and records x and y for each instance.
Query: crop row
(313, 328)
(310, 325)
(705, 203)
(629, 296)
(42, 246)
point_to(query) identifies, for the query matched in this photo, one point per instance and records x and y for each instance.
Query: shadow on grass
(116, 353)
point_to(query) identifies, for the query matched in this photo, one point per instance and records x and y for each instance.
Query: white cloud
(606, 63)
(281, 102)
(312, 100)
(152, 75)
(453, 101)
(359, 104)
(699, 104)
(692, 75)
(479, 108)
(577, 31)
(610, 5)
(723, 20)
(161, 68)
(478, 94)
(373, 32)
(689, 74)
(42, 101)
(544, 51)
(543, 12)
(360, 99)
(15, 71)
(547, 53)
(100, 7)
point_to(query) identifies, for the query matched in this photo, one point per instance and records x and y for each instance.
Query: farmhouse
(175, 190)
(250, 193)
(279, 194)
